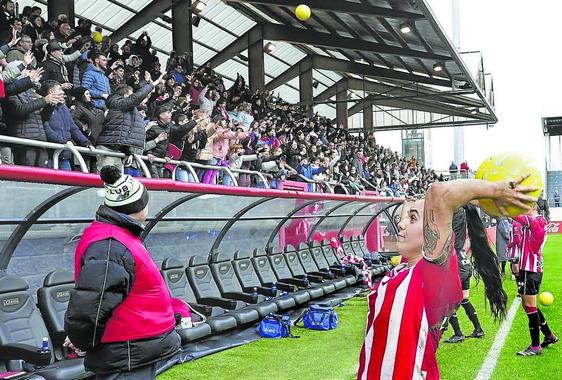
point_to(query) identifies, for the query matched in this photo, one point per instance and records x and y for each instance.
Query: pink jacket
(147, 310)
(221, 144)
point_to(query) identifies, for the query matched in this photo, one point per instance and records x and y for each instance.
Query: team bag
(319, 317)
(275, 326)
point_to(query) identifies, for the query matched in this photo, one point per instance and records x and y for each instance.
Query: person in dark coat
(503, 229)
(59, 125)
(120, 312)
(22, 113)
(164, 125)
(89, 118)
(123, 129)
(7, 17)
(54, 66)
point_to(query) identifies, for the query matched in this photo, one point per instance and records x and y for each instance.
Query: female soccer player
(529, 270)
(408, 307)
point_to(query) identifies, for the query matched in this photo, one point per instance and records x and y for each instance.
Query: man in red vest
(120, 311)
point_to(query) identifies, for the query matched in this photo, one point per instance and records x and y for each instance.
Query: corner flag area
(333, 354)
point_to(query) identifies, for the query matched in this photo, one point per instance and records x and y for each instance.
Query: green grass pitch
(333, 354)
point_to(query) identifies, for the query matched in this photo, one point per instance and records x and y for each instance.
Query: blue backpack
(319, 317)
(275, 326)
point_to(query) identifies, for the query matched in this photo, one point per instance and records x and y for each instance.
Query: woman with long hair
(409, 306)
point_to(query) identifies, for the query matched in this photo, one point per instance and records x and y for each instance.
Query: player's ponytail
(486, 263)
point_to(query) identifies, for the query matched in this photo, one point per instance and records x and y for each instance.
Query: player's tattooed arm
(437, 237)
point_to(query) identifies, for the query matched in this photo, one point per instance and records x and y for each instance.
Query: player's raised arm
(443, 198)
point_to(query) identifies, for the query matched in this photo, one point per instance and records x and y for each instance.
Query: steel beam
(58, 7)
(306, 90)
(182, 30)
(342, 116)
(150, 12)
(339, 65)
(256, 59)
(368, 116)
(291, 73)
(338, 6)
(301, 36)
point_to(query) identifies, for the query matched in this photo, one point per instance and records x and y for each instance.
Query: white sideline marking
(491, 360)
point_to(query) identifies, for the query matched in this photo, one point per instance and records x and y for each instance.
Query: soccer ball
(97, 37)
(546, 298)
(303, 12)
(508, 167)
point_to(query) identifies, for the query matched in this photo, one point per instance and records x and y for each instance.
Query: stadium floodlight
(438, 67)
(474, 111)
(195, 21)
(198, 6)
(269, 47)
(405, 28)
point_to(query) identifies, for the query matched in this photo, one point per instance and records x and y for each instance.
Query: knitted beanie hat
(123, 193)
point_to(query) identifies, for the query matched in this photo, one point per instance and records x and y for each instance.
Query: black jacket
(176, 133)
(97, 288)
(22, 113)
(54, 71)
(87, 114)
(124, 125)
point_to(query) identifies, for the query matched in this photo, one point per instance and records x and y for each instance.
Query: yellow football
(508, 167)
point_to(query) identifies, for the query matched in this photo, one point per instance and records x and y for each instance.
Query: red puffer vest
(147, 309)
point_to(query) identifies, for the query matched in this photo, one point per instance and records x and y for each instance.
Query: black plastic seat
(267, 278)
(21, 323)
(249, 280)
(297, 270)
(334, 262)
(229, 286)
(323, 264)
(307, 262)
(176, 279)
(283, 273)
(207, 292)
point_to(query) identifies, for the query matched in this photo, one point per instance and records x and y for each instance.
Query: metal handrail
(329, 184)
(77, 151)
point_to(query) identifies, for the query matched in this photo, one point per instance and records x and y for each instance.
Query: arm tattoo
(431, 238)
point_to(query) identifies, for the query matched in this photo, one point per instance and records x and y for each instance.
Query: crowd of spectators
(66, 83)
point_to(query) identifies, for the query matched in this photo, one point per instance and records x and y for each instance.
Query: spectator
(34, 27)
(59, 125)
(55, 67)
(17, 52)
(123, 130)
(63, 33)
(114, 267)
(96, 81)
(503, 230)
(464, 169)
(6, 21)
(164, 125)
(89, 118)
(245, 116)
(208, 99)
(22, 113)
(307, 171)
(556, 198)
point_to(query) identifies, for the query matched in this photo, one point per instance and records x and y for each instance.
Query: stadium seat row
(228, 292)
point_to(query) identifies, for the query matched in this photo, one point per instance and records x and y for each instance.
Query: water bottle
(44, 346)
(306, 282)
(273, 289)
(343, 268)
(255, 293)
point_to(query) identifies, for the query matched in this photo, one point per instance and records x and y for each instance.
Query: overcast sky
(517, 39)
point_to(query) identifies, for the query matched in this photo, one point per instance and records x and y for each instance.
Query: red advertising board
(554, 228)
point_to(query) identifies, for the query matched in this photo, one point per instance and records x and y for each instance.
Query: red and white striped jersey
(406, 312)
(515, 241)
(534, 238)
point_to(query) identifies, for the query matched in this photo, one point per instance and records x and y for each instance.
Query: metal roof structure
(357, 45)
